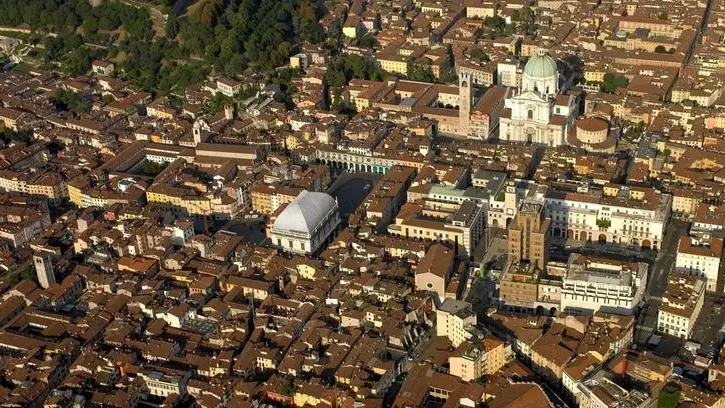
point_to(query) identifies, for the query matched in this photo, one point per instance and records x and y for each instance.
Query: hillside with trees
(227, 36)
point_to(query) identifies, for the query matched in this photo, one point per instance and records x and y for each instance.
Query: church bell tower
(464, 97)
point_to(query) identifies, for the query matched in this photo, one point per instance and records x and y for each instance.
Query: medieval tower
(464, 96)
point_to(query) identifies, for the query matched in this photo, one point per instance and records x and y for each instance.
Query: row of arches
(355, 167)
(541, 311)
(496, 224)
(588, 236)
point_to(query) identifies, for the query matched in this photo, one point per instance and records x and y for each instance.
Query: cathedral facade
(540, 113)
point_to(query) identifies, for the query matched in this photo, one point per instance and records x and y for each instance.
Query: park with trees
(226, 37)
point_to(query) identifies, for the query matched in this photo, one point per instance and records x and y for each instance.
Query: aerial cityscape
(362, 203)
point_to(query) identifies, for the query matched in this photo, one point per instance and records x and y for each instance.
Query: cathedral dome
(541, 66)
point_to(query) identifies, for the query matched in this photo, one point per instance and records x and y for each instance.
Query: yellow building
(432, 221)
(83, 194)
(193, 204)
(266, 199)
(471, 361)
(161, 108)
(262, 199)
(594, 75)
(481, 10)
(75, 194)
(9, 118)
(394, 63)
(309, 394)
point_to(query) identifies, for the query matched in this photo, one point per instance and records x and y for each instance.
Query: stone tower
(228, 112)
(464, 96)
(44, 269)
(196, 129)
(528, 235)
(511, 202)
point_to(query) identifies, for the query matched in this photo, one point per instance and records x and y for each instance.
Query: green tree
(422, 73)
(346, 67)
(90, 25)
(217, 103)
(28, 274)
(70, 101)
(9, 135)
(11, 279)
(342, 105)
(496, 24)
(480, 56)
(287, 389)
(662, 15)
(335, 77)
(78, 61)
(604, 223)
(509, 30)
(528, 20)
(661, 49)
(448, 75)
(228, 35)
(309, 22)
(670, 396)
(614, 81)
(366, 41)
(151, 168)
(355, 66)
(172, 26)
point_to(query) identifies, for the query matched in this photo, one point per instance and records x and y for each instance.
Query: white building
(593, 284)
(681, 305)
(709, 220)
(540, 113)
(228, 86)
(454, 318)
(700, 260)
(620, 214)
(44, 269)
(509, 73)
(164, 383)
(503, 208)
(306, 223)
(601, 390)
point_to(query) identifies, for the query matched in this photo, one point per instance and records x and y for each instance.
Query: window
(530, 114)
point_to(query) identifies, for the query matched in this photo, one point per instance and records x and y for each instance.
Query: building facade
(527, 236)
(454, 319)
(681, 305)
(475, 359)
(620, 214)
(306, 223)
(539, 113)
(594, 284)
(700, 260)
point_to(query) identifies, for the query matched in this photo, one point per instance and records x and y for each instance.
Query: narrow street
(657, 280)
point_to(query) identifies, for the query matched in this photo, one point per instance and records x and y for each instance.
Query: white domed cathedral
(540, 113)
